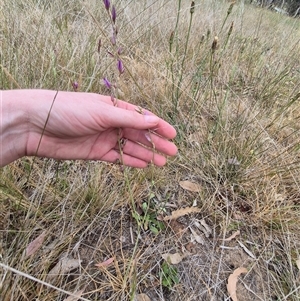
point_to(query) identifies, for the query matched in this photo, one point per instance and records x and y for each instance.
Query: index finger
(163, 128)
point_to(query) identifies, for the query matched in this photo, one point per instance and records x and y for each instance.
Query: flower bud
(106, 4)
(107, 83)
(75, 86)
(99, 46)
(113, 14)
(120, 67)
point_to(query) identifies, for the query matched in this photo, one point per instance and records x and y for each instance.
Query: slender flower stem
(178, 88)
(173, 37)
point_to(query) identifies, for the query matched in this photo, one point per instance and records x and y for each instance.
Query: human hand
(88, 126)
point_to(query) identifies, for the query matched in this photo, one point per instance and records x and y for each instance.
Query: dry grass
(236, 110)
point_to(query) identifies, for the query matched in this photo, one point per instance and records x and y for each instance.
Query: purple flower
(107, 4)
(113, 14)
(120, 67)
(107, 83)
(75, 86)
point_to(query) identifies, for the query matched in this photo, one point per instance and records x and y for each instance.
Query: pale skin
(82, 126)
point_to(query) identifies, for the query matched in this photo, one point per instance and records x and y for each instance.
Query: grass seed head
(192, 10)
(99, 46)
(230, 8)
(230, 28)
(208, 33)
(171, 39)
(215, 45)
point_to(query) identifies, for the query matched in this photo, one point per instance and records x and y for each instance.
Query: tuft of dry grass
(235, 106)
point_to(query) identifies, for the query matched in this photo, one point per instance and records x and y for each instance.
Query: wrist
(14, 126)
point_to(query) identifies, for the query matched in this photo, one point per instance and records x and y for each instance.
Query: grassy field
(228, 78)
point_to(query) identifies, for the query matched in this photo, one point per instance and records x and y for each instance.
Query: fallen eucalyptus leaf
(35, 244)
(232, 281)
(105, 263)
(181, 212)
(190, 186)
(64, 266)
(172, 258)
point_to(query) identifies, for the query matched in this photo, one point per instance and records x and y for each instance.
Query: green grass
(236, 110)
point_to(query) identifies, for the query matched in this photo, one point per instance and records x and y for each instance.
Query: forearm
(13, 126)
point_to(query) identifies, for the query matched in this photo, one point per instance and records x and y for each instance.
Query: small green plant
(150, 220)
(168, 275)
(148, 217)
